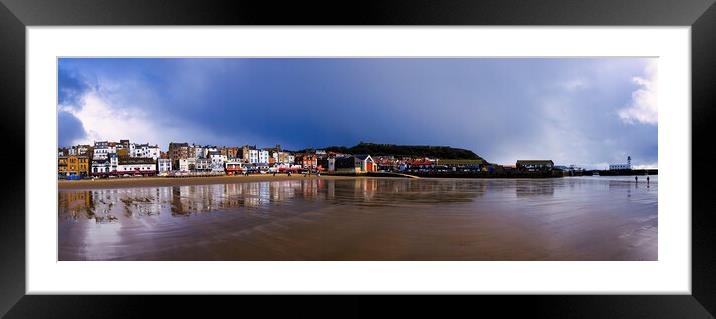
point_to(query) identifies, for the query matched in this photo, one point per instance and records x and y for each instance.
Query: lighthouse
(622, 166)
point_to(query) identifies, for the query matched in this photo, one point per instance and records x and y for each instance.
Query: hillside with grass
(416, 151)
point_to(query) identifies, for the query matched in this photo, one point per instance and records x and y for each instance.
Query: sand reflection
(365, 219)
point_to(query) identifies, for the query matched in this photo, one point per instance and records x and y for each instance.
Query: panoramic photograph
(353, 159)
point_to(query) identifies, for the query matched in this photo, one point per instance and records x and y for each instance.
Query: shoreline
(183, 181)
(157, 181)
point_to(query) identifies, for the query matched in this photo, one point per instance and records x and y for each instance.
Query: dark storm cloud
(71, 86)
(503, 109)
(70, 128)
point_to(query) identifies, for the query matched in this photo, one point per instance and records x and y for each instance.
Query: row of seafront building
(123, 158)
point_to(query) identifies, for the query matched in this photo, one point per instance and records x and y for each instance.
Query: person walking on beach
(647, 179)
(636, 179)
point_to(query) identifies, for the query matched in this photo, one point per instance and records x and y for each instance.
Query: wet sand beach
(580, 218)
(179, 181)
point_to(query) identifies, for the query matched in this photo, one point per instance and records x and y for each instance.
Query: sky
(584, 111)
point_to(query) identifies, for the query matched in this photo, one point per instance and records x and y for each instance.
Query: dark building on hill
(322, 164)
(352, 164)
(178, 151)
(343, 164)
(456, 165)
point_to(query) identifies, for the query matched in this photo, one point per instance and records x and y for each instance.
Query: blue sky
(584, 111)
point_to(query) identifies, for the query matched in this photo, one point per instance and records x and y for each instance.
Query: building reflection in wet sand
(364, 219)
(531, 187)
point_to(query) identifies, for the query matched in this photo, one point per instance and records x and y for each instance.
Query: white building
(100, 167)
(145, 151)
(105, 166)
(203, 164)
(217, 161)
(198, 152)
(627, 166)
(133, 166)
(613, 167)
(113, 162)
(263, 156)
(253, 156)
(164, 165)
(102, 150)
(137, 168)
(187, 164)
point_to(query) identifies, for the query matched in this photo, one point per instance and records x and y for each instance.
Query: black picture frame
(16, 15)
